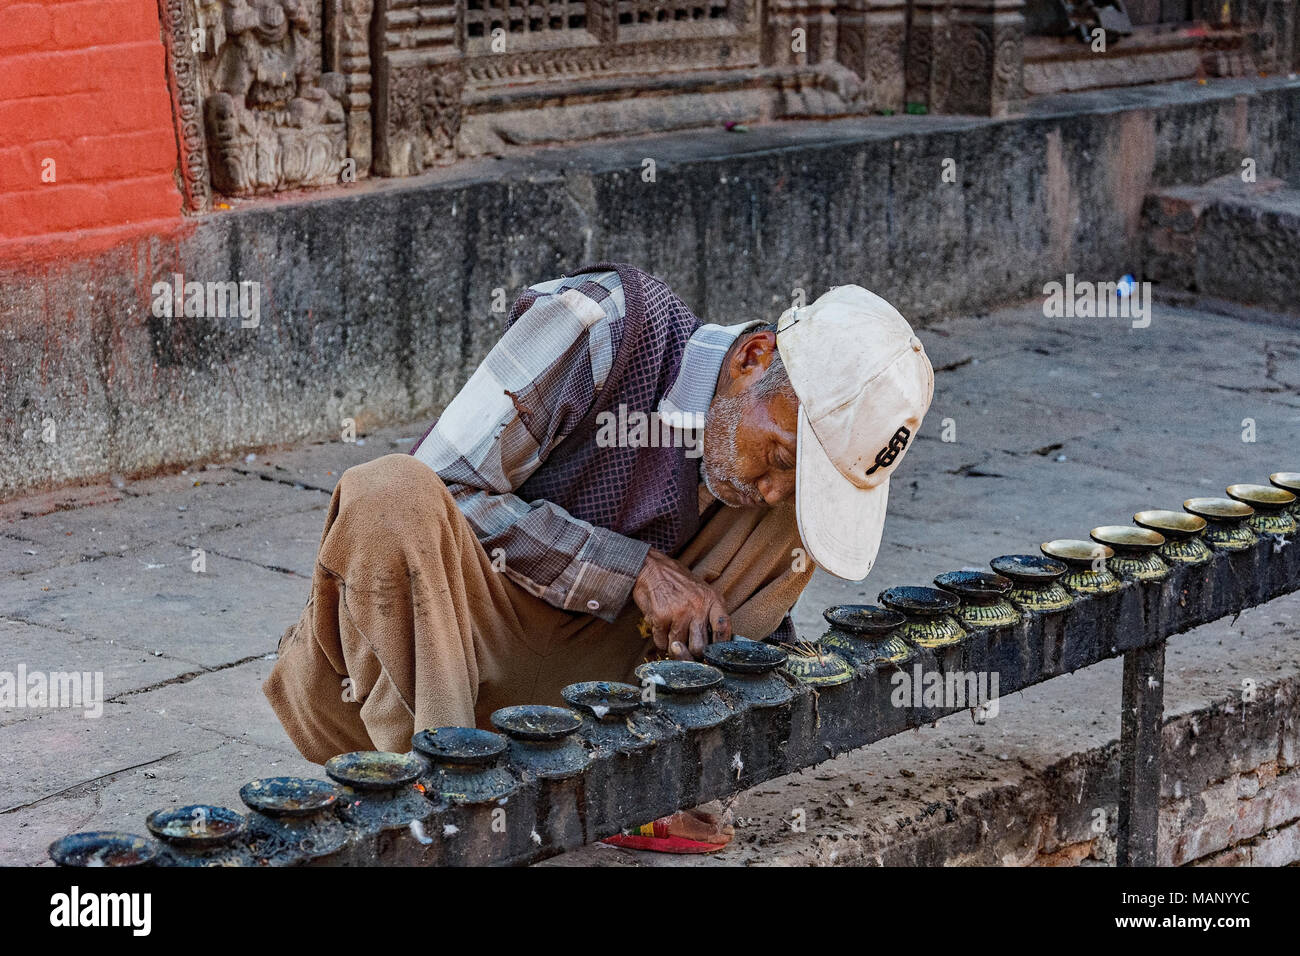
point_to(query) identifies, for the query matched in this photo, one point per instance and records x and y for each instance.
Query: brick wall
(1247, 819)
(83, 83)
(1250, 819)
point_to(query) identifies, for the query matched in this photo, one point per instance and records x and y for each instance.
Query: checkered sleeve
(784, 633)
(560, 346)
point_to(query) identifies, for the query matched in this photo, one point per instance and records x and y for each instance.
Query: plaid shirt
(483, 452)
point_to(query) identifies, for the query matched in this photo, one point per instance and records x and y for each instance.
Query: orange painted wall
(83, 82)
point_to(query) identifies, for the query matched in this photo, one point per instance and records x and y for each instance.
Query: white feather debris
(600, 710)
(536, 837)
(417, 831)
(450, 830)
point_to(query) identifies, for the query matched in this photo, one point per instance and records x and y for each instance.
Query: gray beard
(720, 454)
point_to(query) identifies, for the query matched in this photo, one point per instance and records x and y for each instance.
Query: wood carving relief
(178, 27)
(274, 120)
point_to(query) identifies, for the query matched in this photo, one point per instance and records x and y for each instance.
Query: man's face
(750, 442)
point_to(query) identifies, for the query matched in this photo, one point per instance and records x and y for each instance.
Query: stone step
(1229, 239)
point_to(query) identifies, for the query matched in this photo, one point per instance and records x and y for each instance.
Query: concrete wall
(377, 298)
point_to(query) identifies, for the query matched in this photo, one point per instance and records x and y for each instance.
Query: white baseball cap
(864, 383)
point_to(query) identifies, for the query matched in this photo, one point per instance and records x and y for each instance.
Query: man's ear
(751, 358)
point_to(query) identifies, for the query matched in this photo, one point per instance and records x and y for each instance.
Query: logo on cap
(885, 457)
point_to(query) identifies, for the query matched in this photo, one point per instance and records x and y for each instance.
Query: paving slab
(229, 702)
(42, 650)
(319, 465)
(151, 600)
(287, 543)
(63, 748)
(60, 499)
(185, 506)
(1035, 499)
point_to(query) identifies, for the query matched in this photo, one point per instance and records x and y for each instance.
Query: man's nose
(773, 490)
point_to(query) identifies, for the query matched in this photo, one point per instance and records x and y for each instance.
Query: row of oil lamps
(970, 600)
(297, 818)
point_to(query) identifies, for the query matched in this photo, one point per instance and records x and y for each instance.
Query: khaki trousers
(409, 627)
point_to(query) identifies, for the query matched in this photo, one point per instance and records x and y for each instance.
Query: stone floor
(1040, 428)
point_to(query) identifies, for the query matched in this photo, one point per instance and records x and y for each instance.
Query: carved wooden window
(1145, 12)
(544, 41)
(523, 17)
(646, 20)
(647, 11)
(557, 24)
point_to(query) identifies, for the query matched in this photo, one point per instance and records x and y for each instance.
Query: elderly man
(558, 523)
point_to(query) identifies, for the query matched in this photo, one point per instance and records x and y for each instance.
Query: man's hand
(680, 607)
